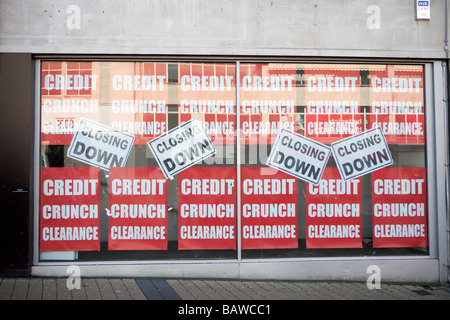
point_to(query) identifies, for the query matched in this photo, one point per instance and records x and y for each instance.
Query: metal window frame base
(400, 269)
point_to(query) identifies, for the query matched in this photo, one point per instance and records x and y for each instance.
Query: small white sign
(299, 156)
(100, 146)
(423, 9)
(181, 148)
(361, 154)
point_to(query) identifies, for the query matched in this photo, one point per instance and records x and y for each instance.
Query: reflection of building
(245, 71)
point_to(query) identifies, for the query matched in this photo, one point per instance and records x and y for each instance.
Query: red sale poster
(139, 94)
(207, 208)
(269, 209)
(137, 209)
(69, 209)
(207, 92)
(268, 101)
(397, 103)
(333, 217)
(69, 91)
(399, 208)
(332, 102)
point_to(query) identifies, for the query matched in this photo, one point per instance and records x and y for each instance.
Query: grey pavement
(34, 288)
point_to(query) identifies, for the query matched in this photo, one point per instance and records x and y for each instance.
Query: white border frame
(436, 165)
(36, 163)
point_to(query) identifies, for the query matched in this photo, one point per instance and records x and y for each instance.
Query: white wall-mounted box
(423, 9)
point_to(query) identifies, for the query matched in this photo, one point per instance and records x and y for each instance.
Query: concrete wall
(346, 28)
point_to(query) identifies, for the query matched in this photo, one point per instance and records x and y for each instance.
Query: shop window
(139, 160)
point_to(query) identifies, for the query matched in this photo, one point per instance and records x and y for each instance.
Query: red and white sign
(207, 208)
(269, 209)
(333, 214)
(137, 209)
(268, 101)
(207, 93)
(399, 208)
(139, 95)
(397, 103)
(69, 209)
(332, 105)
(69, 91)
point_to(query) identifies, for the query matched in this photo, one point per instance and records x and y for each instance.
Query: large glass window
(366, 194)
(139, 160)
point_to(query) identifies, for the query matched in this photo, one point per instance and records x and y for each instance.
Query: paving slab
(214, 290)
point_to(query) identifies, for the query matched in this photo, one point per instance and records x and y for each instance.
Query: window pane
(370, 114)
(104, 193)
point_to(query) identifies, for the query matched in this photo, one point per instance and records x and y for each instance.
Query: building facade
(225, 139)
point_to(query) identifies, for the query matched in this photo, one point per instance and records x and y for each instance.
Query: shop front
(239, 168)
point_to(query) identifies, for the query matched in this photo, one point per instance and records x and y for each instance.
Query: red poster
(333, 216)
(207, 208)
(69, 91)
(399, 208)
(268, 101)
(69, 210)
(139, 95)
(137, 209)
(269, 209)
(397, 103)
(207, 92)
(332, 102)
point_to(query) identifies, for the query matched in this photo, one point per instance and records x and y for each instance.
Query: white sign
(181, 148)
(100, 146)
(299, 156)
(423, 9)
(361, 154)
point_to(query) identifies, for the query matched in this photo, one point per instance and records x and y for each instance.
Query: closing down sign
(299, 156)
(361, 154)
(181, 148)
(100, 146)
